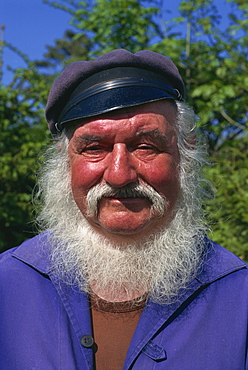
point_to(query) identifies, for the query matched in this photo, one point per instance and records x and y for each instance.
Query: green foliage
(66, 50)
(114, 24)
(22, 136)
(212, 59)
(214, 70)
(228, 211)
(122, 27)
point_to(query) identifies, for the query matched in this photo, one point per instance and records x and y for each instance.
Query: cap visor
(110, 100)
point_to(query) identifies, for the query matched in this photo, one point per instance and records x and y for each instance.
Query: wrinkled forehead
(161, 114)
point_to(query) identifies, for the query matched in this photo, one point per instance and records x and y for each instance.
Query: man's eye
(147, 147)
(93, 148)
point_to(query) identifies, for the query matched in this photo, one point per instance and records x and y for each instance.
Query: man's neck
(118, 296)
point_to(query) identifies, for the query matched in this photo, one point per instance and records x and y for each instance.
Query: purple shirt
(42, 322)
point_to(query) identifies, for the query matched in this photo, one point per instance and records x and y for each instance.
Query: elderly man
(122, 275)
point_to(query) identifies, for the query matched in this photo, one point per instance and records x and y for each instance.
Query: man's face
(129, 146)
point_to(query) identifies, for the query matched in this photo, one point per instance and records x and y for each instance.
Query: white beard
(162, 265)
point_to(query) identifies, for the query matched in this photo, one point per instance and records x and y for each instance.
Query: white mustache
(137, 190)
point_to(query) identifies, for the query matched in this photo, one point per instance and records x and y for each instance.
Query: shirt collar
(35, 252)
(218, 262)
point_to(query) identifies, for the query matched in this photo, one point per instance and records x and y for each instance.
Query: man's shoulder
(32, 252)
(219, 263)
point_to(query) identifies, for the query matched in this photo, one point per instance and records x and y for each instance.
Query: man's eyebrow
(85, 138)
(156, 135)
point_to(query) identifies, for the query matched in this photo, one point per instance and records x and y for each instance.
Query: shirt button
(87, 341)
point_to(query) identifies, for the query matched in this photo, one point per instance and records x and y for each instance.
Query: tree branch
(230, 120)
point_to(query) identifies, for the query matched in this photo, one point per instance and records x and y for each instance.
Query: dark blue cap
(116, 80)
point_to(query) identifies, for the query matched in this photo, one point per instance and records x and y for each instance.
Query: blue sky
(30, 25)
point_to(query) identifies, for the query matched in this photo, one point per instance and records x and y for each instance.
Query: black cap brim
(111, 100)
(109, 91)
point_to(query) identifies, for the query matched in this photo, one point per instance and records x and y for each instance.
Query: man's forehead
(148, 119)
(154, 135)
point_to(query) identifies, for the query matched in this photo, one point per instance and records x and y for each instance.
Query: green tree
(126, 24)
(112, 24)
(229, 216)
(213, 64)
(66, 50)
(23, 134)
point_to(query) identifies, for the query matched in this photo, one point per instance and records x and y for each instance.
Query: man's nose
(120, 169)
